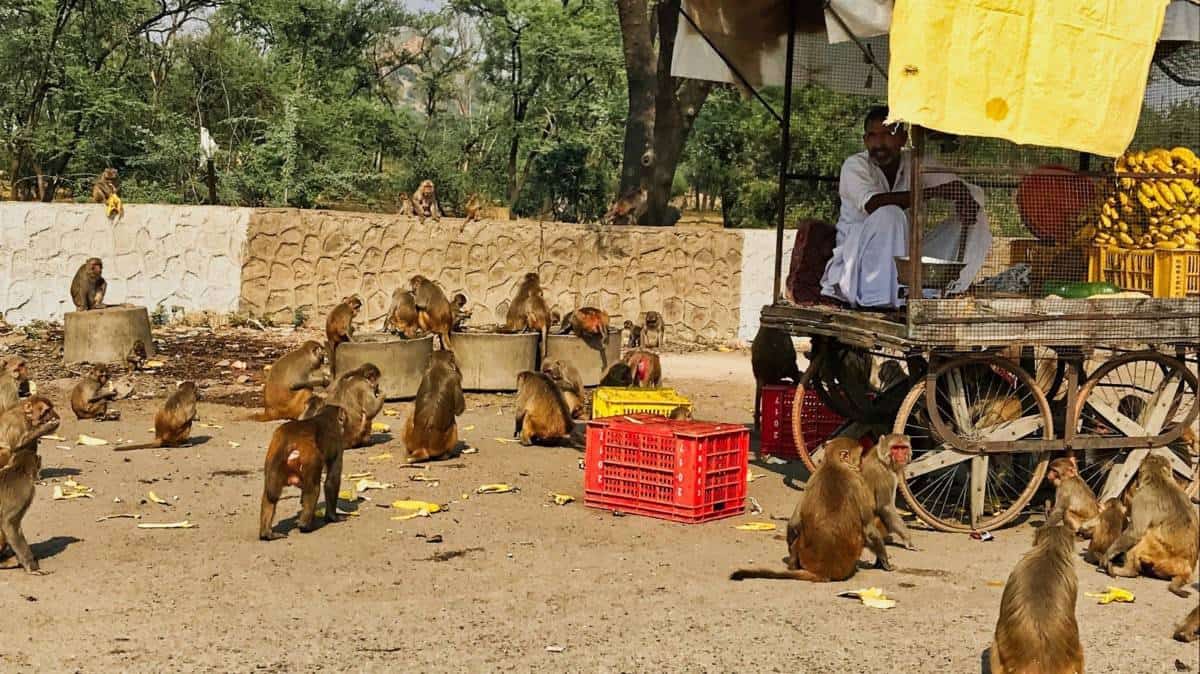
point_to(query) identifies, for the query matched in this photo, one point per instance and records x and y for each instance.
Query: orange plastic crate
(684, 471)
(1158, 273)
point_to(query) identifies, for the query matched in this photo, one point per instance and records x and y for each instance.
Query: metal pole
(916, 219)
(785, 149)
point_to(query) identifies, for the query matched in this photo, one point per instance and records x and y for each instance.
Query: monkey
(404, 205)
(618, 375)
(836, 519)
(542, 412)
(137, 356)
(773, 359)
(566, 377)
(402, 315)
(1163, 536)
(627, 210)
(1074, 500)
(1104, 528)
(529, 311)
(1036, 630)
(17, 480)
(851, 450)
(681, 413)
(431, 431)
(299, 450)
(14, 378)
(88, 287)
(882, 469)
(586, 323)
(356, 392)
(1189, 630)
(291, 380)
(89, 400)
(635, 334)
(473, 207)
(652, 330)
(433, 309)
(173, 421)
(645, 368)
(105, 186)
(424, 202)
(339, 326)
(22, 425)
(458, 307)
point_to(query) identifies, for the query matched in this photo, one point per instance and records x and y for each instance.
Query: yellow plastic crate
(1158, 273)
(610, 401)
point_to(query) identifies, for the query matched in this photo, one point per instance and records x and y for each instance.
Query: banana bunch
(1148, 208)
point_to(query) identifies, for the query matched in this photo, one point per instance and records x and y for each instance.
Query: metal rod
(733, 69)
(785, 148)
(916, 220)
(870, 58)
(813, 177)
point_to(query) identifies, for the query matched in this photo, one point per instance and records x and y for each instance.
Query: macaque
(291, 380)
(173, 421)
(106, 185)
(17, 480)
(836, 518)
(635, 334)
(404, 205)
(473, 207)
(542, 412)
(566, 377)
(89, 399)
(22, 425)
(773, 359)
(357, 392)
(1074, 500)
(1163, 536)
(1036, 630)
(882, 469)
(628, 209)
(529, 311)
(458, 307)
(14, 379)
(681, 413)
(851, 451)
(431, 431)
(424, 202)
(137, 356)
(88, 286)
(586, 323)
(298, 452)
(339, 326)
(1189, 630)
(1104, 528)
(652, 330)
(402, 317)
(618, 375)
(644, 368)
(433, 309)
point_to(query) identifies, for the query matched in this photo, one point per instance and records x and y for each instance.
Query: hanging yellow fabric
(1061, 73)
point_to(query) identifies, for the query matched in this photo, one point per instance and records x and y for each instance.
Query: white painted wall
(189, 256)
(758, 281)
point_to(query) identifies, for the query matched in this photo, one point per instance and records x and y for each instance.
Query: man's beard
(881, 157)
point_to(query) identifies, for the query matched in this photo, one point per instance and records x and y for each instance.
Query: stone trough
(591, 357)
(490, 361)
(401, 362)
(105, 335)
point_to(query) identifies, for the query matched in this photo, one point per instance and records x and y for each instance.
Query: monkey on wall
(105, 187)
(628, 209)
(424, 202)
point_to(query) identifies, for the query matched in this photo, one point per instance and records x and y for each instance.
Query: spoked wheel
(1140, 398)
(981, 403)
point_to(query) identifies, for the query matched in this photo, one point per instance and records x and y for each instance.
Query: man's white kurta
(862, 271)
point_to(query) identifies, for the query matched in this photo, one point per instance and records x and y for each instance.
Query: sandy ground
(527, 586)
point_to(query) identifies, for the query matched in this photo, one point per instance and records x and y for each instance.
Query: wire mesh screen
(845, 67)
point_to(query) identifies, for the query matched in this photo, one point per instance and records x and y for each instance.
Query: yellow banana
(1166, 245)
(1145, 200)
(1177, 192)
(1185, 155)
(1125, 239)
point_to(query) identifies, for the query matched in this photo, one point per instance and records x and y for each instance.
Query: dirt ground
(514, 583)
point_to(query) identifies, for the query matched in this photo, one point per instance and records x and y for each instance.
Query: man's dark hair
(879, 113)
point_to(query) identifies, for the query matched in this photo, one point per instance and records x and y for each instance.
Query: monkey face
(1154, 465)
(18, 369)
(371, 373)
(100, 374)
(417, 281)
(900, 451)
(460, 300)
(110, 173)
(39, 411)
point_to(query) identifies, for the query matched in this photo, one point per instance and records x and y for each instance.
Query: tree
(662, 108)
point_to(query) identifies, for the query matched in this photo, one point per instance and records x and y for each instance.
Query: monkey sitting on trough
(17, 479)
(89, 399)
(835, 519)
(298, 452)
(433, 309)
(586, 323)
(22, 425)
(1163, 536)
(402, 316)
(566, 377)
(458, 307)
(542, 412)
(88, 287)
(529, 311)
(14, 380)
(339, 326)
(1036, 630)
(357, 393)
(431, 431)
(1074, 501)
(173, 421)
(290, 383)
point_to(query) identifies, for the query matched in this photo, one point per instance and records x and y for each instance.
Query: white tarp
(1182, 23)
(864, 18)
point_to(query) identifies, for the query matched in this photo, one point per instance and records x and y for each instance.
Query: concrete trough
(401, 362)
(591, 357)
(490, 361)
(105, 335)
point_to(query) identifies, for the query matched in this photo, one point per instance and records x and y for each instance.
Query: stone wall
(187, 256)
(302, 260)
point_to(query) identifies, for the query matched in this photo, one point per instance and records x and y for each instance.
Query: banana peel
(348, 513)
(359, 476)
(71, 489)
(113, 206)
(389, 412)
(415, 508)
(561, 499)
(1111, 594)
(872, 597)
(185, 524)
(499, 488)
(380, 427)
(381, 457)
(151, 496)
(365, 484)
(53, 437)
(755, 526)
(151, 364)
(506, 441)
(89, 441)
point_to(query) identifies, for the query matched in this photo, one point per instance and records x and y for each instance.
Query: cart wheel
(1137, 395)
(952, 490)
(800, 425)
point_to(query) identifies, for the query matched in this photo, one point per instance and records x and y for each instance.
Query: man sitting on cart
(872, 229)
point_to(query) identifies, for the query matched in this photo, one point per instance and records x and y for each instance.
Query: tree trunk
(637, 42)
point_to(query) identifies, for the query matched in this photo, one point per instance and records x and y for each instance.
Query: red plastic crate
(685, 471)
(775, 438)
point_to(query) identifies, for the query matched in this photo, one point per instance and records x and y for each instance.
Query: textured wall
(188, 256)
(309, 260)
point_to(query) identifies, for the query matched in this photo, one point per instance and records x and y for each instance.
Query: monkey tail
(145, 445)
(798, 574)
